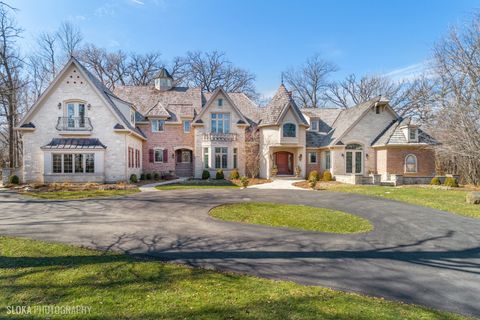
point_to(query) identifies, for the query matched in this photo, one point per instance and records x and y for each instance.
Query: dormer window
(413, 134)
(132, 116)
(314, 125)
(220, 102)
(289, 130)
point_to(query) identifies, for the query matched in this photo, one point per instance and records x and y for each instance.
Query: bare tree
(252, 152)
(143, 68)
(210, 70)
(70, 38)
(310, 80)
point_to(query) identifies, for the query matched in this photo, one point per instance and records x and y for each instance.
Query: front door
(354, 162)
(284, 162)
(183, 163)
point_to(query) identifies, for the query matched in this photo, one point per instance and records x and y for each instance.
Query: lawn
(118, 286)
(198, 184)
(80, 194)
(451, 200)
(292, 216)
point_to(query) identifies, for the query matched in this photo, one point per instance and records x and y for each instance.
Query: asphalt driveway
(414, 254)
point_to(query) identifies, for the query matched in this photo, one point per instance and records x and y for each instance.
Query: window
(377, 109)
(412, 134)
(206, 157)
(411, 163)
(158, 125)
(221, 155)
(130, 162)
(314, 125)
(220, 102)
(75, 115)
(235, 158)
(137, 158)
(186, 126)
(312, 157)
(328, 165)
(73, 163)
(159, 155)
(354, 158)
(220, 122)
(186, 156)
(289, 130)
(132, 116)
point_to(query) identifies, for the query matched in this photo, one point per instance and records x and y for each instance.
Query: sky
(264, 36)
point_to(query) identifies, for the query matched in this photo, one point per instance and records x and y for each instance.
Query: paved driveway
(414, 254)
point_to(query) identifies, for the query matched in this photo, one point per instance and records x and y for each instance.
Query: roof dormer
(163, 80)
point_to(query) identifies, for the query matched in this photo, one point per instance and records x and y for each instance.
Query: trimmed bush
(327, 176)
(219, 175)
(133, 178)
(156, 176)
(148, 176)
(312, 183)
(451, 182)
(13, 179)
(435, 181)
(313, 175)
(244, 181)
(234, 175)
(205, 174)
(142, 176)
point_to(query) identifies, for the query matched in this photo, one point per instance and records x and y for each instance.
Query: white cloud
(107, 9)
(113, 43)
(77, 18)
(138, 2)
(410, 72)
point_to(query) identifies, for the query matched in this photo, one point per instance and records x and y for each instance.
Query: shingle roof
(246, 106)
(163, 73)
(393, 135)
(171, 104)
(74, 143)
(326, 116)
(276, 107)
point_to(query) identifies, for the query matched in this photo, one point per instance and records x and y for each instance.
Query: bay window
(73, 163)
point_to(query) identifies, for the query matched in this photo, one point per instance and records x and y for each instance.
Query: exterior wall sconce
(59, 105)
(300, 157)
(343, 156)
(366, 155)
(89, 106)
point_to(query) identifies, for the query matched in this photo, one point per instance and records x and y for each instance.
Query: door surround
(284, 161)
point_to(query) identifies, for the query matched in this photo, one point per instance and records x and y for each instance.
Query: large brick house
(81, 131)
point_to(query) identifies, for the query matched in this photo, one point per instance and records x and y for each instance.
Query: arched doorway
(183, 163)
(284, 162)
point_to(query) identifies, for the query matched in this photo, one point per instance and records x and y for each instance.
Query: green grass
(118, 286)
(447, 200)
(71, 195)
(292, 216)
(198, 184)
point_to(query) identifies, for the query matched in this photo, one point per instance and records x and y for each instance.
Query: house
(81, 131)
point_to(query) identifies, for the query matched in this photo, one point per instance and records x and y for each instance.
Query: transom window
(75, 115)
(314, 125)
(289, 130)
(158, 125)
(221, 156)
(73, 163)
(220, 122)
(186, 126)
(411, 163)
(312, 157)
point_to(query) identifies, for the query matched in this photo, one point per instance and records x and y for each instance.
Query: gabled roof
(212, 98)
(109, 98)
(326, 116)
(246, 106)
(278, 107)
(393, 135)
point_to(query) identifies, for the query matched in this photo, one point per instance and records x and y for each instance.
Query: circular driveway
(414, 254)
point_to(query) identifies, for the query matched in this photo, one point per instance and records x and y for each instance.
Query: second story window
(314, 125)
(186, 126)
(289, 130)
(132, 116)
(220, 102)
(220, 123)
(412, 134)
(158, 125)
(75, 115)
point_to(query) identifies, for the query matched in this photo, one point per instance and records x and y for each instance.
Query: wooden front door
(284, 162)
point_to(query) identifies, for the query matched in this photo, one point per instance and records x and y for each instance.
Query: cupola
(163, 80)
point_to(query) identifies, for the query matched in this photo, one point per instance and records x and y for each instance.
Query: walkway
(280, 183)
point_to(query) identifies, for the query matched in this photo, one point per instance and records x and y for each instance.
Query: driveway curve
(414, 254)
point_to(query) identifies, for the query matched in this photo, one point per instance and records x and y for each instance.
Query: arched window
(354, 146)
(289, 130)
(410, 163)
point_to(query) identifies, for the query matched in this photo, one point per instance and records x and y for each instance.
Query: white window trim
(155, 158)
(151, 125)
(84, 163)
(318, 125)
(221, 156)
(316, 157)
(296, 130)
(189, 126)
(224, 121)
(405, 163)
(416, 135)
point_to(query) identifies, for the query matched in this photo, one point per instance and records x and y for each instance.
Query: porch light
(366, 155)
(300, 157)
(59, 105)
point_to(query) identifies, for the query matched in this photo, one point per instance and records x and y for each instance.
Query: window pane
(349, 162)
(158, 155)
(186, 126)
(79, 163)
(219, 125)
(217, 161)
(358, 162)
(90, 163)
(67, 163)
(313, 157)
(161, 124)
(71, 115)
(205, 157)
(154, 125)
(81, 115)
(289, 130)
(235, 158)
(226, 121)
(57, 163)
(327, 160)
(314, 126)
(214, 124)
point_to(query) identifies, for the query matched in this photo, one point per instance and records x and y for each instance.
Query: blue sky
(265, 37)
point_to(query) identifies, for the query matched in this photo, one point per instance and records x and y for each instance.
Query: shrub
(156, 176)
(234, 175)
(148, 176)
(133, 178)
(312, 183)
(244, 181)
(13, 179)
(205, 174)
(219, 175)
(435, 181)
(451, 182)
(142, 176)
(327, 176)
(313, 175)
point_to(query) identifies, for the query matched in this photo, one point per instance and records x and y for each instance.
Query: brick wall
(172, 138)
(425, 161)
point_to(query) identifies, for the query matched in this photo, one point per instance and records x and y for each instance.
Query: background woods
(445, 98)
